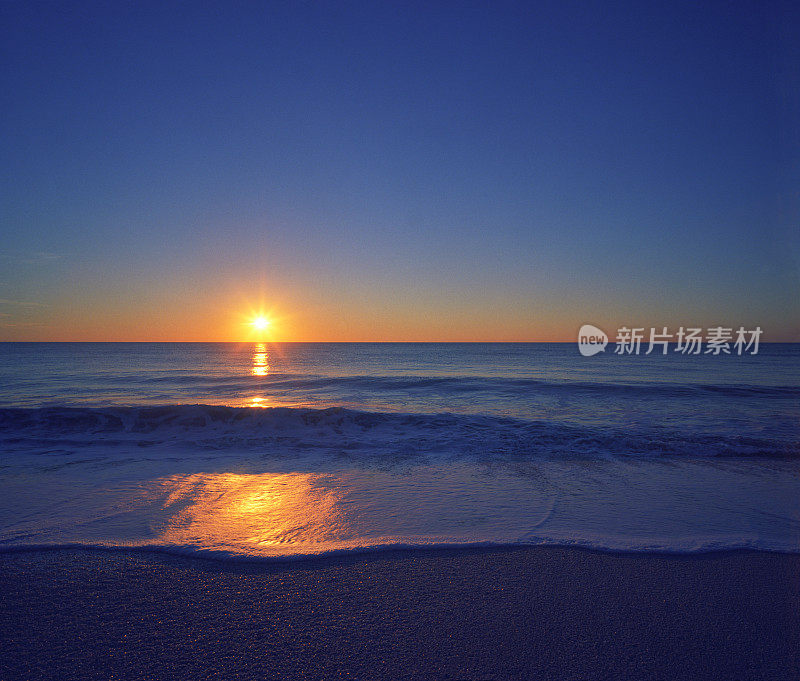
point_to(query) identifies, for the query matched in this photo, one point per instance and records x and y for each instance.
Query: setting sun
(260, 323)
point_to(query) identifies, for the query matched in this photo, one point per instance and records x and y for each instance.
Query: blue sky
(427, 171)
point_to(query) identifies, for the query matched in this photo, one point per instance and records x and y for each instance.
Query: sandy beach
(544, 613)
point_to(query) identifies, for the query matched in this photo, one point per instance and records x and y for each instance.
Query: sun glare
(260, 323)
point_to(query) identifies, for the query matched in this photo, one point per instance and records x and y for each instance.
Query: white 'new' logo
(591, 340)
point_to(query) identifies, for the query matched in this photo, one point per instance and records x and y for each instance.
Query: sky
(378, 171)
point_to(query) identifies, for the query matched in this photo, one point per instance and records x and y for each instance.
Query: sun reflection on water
(260, 360)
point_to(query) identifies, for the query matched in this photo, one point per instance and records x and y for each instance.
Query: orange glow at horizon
(227, 315)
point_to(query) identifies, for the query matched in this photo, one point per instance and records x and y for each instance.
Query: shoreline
(225, 560)
(545, 612)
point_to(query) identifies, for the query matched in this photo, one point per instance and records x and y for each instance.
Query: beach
(443, 511)
(387, 342)
(517, 613)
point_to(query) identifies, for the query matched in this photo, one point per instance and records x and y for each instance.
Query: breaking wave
(338, 431)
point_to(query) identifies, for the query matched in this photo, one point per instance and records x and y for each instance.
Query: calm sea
(283, 450)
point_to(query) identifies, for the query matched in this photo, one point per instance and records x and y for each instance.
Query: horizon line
(345, 342)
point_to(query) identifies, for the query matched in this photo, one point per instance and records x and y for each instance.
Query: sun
(260, 323)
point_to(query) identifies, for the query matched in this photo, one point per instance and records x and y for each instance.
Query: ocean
(264, 451)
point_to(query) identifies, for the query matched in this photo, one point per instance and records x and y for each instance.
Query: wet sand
(543, 613)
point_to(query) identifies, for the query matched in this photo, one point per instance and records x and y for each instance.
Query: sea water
(276, 451)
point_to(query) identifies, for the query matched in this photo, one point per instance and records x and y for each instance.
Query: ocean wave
(340, 432)
(461, 384)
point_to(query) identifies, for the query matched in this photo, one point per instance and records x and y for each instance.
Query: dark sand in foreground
(543, 613)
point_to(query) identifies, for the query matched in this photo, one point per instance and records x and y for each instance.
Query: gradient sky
(408, 171)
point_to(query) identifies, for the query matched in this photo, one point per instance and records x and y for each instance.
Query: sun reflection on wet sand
(267, 514)
(298, 513)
